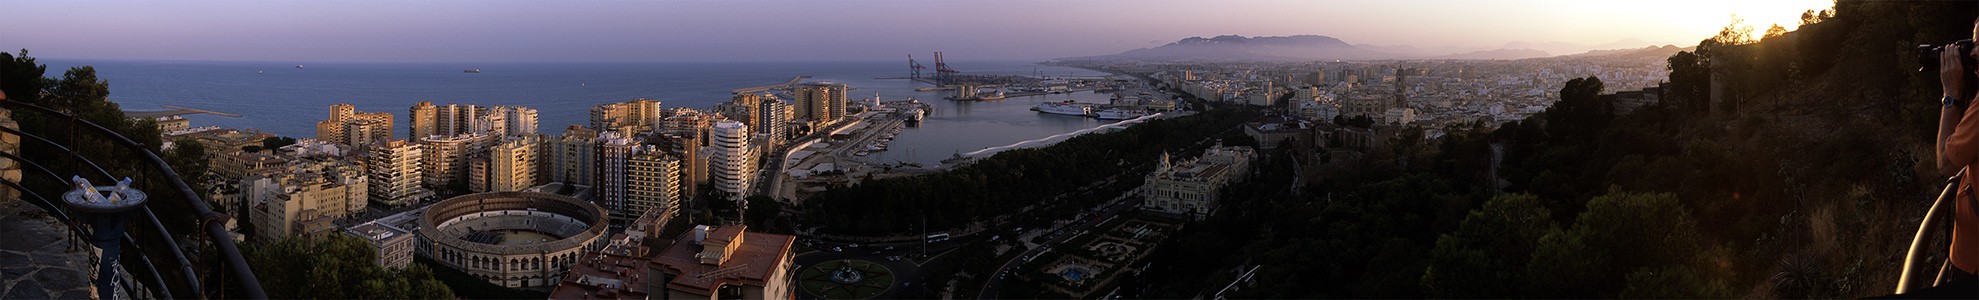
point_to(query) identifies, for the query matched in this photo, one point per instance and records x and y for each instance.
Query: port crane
(943, 74)
(914, 67)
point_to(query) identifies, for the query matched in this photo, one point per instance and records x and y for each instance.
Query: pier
(751, 90)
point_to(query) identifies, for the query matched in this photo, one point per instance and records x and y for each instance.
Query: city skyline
(448, 31)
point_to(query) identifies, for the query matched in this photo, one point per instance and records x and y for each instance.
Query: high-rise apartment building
(653, 181)
(521, 121)
(396, 168)
(686, 145)
(571, 158)
(356, 129)
(689, 120)
(454, 119)
(732, 167)
(638, 115)
(774, 118)
(424, 123)
(615, 152)
(507, 166)
(447, 160)
(823, 103)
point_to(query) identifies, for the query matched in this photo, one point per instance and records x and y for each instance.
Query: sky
(637, 31)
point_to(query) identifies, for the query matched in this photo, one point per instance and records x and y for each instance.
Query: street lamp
(106, 215)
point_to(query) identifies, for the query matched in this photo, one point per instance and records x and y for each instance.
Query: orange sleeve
(1963, 144)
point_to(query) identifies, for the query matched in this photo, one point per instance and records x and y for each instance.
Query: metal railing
(237, 271)
(1936, 219)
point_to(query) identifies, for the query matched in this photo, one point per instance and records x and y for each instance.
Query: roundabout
(845, 279)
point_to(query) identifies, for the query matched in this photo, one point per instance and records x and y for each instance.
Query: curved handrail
(1924, 229)
(212, 221)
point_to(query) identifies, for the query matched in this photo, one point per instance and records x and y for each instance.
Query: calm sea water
(282, 99)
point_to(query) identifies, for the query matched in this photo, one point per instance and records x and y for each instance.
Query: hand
(1951, 73)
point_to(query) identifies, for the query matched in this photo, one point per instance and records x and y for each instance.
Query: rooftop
(749, 262)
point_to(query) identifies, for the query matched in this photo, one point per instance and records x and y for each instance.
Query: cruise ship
(1064, 108)
(1118, 114)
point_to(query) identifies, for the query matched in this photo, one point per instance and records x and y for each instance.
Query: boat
(1068, 107)
(298, 66)
(473, 70)
(915, 114)
(1118, 114)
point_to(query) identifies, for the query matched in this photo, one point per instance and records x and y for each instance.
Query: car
(889, 247)
(837, 249)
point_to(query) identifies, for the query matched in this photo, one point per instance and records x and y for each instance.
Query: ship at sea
(1118, 113)
(1068, 107)
(473, 71)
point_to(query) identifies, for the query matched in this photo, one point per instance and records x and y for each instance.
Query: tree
(1613, 243)
(336, 266)
(20, 77)
(1489, 250)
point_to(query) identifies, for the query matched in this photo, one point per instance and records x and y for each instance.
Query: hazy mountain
(1497, 54)
(1663, 51)
(1565, 47)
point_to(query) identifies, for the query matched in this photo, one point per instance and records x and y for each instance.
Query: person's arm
(1958, 135)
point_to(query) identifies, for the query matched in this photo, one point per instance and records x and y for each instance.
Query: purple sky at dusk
(441, 31)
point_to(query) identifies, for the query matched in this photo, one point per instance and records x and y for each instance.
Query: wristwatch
(1950, 101)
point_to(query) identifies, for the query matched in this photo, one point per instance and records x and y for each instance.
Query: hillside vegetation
(1804, 178)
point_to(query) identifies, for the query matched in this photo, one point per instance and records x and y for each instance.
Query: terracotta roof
(750, 264)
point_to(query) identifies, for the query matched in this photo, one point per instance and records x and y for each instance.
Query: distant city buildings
(1190, 188)
(357, 129)
(823, 103)
(638, 115)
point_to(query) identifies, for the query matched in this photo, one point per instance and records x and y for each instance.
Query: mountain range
(1229, 48)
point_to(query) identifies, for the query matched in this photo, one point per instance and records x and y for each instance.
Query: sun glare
(1762, 14)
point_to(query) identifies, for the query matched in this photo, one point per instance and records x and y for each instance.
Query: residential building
(397, 169)
(424, 121)
(572, 157)
(822, 102)
(394, 244)
(303, 198)
(615, 152)
(727, 263)
(447, 161)
(653, 181)
(773, 118)
(732, 167)
(349, 127)
(638, 115)
(506, 166)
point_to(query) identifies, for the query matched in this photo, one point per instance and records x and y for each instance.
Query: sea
(287, 99)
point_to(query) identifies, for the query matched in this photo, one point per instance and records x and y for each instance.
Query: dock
(751, 90)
